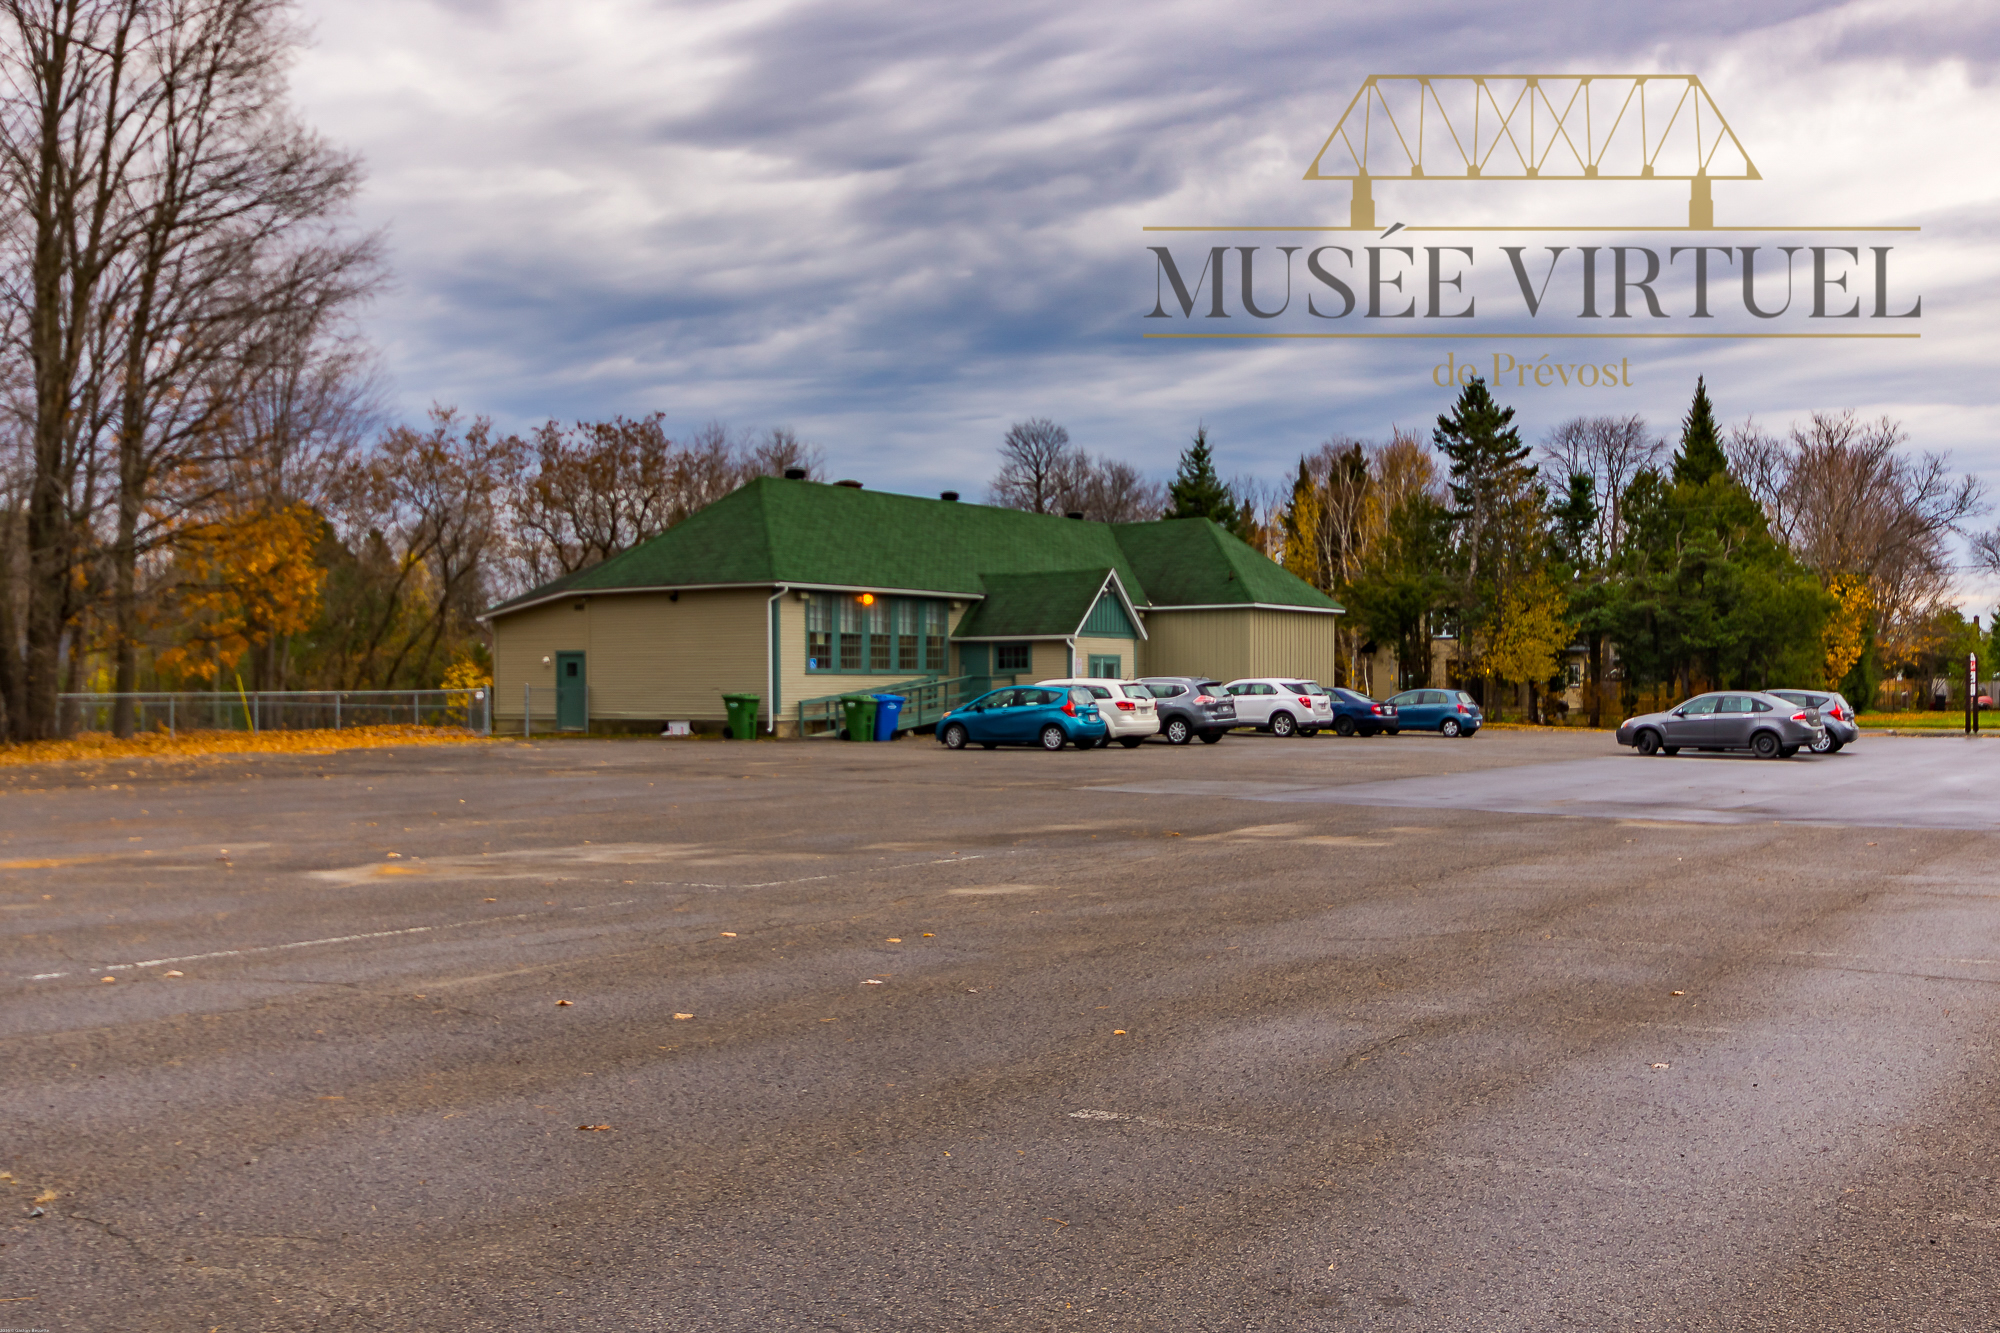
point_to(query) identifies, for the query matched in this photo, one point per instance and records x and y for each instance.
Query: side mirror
(1680, 712)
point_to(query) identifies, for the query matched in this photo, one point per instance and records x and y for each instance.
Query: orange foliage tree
(241, 581)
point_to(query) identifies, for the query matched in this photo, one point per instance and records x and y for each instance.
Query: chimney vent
(1074, 513)
(795, 474)
(947, 495)
(855, 484)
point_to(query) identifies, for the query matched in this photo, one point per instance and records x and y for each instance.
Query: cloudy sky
(897, 227)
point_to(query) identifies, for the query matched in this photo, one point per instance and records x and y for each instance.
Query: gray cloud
(898, 227)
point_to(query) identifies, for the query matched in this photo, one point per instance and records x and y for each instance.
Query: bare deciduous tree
(1040, 470)
(1611, 451)
(1848, 497)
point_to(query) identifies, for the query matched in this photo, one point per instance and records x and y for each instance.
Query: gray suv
(1764, 724)
(1191, 706)
(1835, 714)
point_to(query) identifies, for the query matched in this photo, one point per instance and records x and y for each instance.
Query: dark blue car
(1044, 715)
(1448, 712)
(1355, 714)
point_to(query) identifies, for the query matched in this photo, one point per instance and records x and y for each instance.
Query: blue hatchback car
(1044, 715)
(1448, 712)
(1355, 714)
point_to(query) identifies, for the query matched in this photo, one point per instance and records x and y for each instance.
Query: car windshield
(1084, 694)
(1211, 687)
(1164, 691)
(1464, 698)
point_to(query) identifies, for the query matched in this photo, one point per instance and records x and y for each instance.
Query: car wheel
(1308, 731)
(1647, 742)
(1210, 737)
(1178, 732)
(1343, 726)
(1053, 738)
(1449, 726)
(1130, 742)
(1836, 747)
(1392, 731)
(1826, 744)
(954, 737)
(989, 745)
(1670, 750)
(1765, 745)
(1787, 751)
(1282, 725)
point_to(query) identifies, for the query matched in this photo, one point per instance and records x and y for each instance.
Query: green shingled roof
(772, 531)
(1029, 605)
(1194, 562)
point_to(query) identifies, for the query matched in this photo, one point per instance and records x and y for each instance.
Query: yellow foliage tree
(242, 582)
(1532, 629)
(1845, 636)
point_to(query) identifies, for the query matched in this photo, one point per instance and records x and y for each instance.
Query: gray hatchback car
(1764, 724)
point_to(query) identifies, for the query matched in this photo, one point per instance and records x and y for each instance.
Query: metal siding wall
(1194, 643)
(652, 659)
(1107, 619)
(1292, 643)
(520, 641)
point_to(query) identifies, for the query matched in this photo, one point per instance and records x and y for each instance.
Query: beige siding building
(798, 592)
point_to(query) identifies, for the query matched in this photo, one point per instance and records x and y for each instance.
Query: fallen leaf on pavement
(593, 1128)
(107, 978)
(871, 982)
(560, 1003)
(683, 1017)
(728, 934)
(1662, 1066)
(1118, 1032)
(1676, 992)
(173, 974)
(895, 939)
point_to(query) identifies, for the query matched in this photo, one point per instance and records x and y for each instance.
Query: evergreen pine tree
(1489, 467)
(1700, 457)
(1196, 492)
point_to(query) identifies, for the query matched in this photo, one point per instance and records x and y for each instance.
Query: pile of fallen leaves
(189, 744)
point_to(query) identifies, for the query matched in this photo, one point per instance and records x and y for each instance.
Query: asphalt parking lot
(1515, 1033)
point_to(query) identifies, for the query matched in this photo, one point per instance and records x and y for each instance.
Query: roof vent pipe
(948, 495)
(1074, 513)
(855, 484)
(795, 474)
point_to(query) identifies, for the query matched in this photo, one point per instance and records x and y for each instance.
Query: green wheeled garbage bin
(860, 712)
(742, 715)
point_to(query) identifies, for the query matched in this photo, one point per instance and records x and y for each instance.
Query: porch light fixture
(866, 599)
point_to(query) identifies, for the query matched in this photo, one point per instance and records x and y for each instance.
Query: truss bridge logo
(1408, 143)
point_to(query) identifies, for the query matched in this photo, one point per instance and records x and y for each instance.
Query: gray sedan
(1835, 714)
(1764, 724)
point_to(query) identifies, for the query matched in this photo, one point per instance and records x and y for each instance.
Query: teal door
(1103, 667)
(572, 697)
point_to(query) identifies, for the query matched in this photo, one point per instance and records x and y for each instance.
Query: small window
(1701, 707)
(1759, 706)
(1167, 691)
(1012, 656)
(1734, 703)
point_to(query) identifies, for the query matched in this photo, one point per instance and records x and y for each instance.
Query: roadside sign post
(1972, 694)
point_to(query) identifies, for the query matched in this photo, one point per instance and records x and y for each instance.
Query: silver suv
(1764, 724)
(1835, 714)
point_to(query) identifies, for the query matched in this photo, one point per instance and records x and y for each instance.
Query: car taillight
(1463, 709)
(1127, 706)
(1070, 707)
(1375, 709)
(1203, 699)
(1305, 702)
(1798, 717)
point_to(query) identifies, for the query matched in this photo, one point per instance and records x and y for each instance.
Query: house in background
(797, 591)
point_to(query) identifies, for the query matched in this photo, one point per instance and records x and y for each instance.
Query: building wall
(1231, 644)
(1125, 650)
(646, 658)
(795, 683)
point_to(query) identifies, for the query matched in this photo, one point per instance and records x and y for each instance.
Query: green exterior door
(572, 697)
(1104, 666)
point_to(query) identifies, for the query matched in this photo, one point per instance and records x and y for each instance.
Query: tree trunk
(1595, 665)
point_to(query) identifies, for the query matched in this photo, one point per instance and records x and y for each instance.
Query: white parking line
(457, 925)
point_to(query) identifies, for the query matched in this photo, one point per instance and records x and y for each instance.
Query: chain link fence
(284, 710)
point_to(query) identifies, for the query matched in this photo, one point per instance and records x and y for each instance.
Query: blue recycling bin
(888, 707)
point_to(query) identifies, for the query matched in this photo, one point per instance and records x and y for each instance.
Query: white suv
(1127, 707)
(1279, 706)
